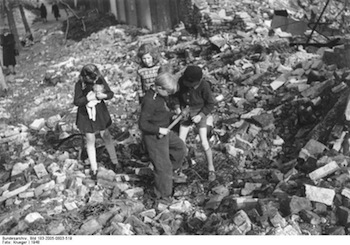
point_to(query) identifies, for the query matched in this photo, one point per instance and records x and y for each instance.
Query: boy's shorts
(188, 120)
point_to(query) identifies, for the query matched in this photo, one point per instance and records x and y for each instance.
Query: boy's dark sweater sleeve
(175, 100)
(209, 101)
(107, 91)
(147, 111)
(79, 98)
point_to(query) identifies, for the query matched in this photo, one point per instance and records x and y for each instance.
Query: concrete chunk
(244, 203)
(277, 220)
(318, 194)
(324, 171)
(13, 193)
(310, 217)
(44, 187)
(89, 227)
(37, 124)
(346, 192)
(242, 221)
(33, 217)
(298, 204)
(249, 188)
(19, 168)
(343, 214)
(40, 170)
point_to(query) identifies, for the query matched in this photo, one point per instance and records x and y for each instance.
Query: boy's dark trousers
(167, 154)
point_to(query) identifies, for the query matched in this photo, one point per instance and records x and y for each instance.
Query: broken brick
(242, 221)
(299, 203)
(40, 170)
(324, 171)
(277, 220)
(318, 194)
(343, 215)
(310, 217)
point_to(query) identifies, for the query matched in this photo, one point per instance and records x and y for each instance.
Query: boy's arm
(147, 111)
(79, 98)
(208, 98)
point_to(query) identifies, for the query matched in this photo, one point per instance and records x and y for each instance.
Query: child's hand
(91, 96)
(100, 95)
(164, 131)
(177, 111)
(196, 118)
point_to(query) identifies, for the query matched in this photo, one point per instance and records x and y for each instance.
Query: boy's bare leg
(183, 132)
(207, 149)
(91, 151)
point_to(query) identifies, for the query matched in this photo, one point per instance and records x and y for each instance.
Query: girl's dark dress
(8, 44)
(103, 119)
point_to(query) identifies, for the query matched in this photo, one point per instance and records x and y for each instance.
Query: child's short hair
(167, 81)
(148, 48)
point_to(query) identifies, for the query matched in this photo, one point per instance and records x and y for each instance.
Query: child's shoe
(211, 176)
(145, 158)
(117, 168)
(166, 200)
(179, 177)
(94, 175)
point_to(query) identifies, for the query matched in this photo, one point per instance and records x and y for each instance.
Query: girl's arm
(79, 98)
(138, 88)
(108, 92)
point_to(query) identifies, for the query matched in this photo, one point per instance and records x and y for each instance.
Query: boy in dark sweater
(166, 150)
(195, 92)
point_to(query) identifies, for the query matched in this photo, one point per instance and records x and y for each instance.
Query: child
(195, 92)
(148, 71)
(83, 95)
(168, 151)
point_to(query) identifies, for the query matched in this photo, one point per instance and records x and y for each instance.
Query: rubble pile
(280, 140)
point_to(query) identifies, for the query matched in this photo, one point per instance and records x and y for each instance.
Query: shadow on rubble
(89, 23)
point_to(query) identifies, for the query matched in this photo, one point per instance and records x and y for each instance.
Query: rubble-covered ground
(280, 140)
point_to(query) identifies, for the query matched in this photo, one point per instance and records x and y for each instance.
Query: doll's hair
(148, 48)
(167, 81)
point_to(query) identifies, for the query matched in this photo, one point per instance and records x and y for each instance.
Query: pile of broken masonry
(280, 138)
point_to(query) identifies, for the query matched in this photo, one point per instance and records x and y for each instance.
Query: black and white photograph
(193, 121)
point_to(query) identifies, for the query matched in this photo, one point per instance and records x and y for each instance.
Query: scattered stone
(298, 204)
(90, 227)
(317, 194)
(33, 217)
(324, 171)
